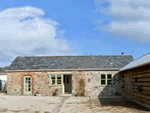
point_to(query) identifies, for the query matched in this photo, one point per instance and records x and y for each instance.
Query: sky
(73, 27)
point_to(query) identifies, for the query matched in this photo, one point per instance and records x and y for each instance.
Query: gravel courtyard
(47, 104)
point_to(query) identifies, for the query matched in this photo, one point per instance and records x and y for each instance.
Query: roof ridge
(73, 55)
(142, 56)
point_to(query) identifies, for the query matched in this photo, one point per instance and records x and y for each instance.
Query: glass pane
(26, 78)
(29, 82)
(58, 76)
(102, 76)
(67, 79)
(103, 82)
(53, 76)
(29, 89)
(53, 81)
(58, 81)
(28, 85)
(109, 82)
(29, 78)
(109, 76)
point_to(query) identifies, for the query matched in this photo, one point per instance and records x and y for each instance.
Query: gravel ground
(48, 104)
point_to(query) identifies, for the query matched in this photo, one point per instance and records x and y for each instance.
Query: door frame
(24, 85)
(63, 87)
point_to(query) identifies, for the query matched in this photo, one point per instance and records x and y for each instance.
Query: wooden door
(28, 85)
(68, 83)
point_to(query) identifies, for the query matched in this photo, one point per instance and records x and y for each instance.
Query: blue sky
(73, 27)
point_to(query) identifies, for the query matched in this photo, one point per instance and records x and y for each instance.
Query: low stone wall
(41, 83)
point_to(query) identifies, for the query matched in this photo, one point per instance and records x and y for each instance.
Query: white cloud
(131, 18)
(23, 31)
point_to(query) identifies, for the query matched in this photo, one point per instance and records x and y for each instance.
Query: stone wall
(94, 88)
(14, 83)
(41, 83)
(76, 77)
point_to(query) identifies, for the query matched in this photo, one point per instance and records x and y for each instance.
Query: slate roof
(70, 62)
(3, 70)
(143, 60)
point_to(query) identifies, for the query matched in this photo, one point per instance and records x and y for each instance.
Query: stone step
(66, 95)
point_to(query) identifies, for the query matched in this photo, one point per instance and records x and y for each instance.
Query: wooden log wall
(128, 85)
(139, 88)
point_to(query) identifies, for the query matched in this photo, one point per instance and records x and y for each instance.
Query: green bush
(56, 89)
(37, 92)
(82, 86)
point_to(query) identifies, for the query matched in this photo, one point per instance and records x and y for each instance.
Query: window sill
(56, 85)
(104, 85)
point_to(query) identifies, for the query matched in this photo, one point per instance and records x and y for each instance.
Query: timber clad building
(26, 75)
(137, 80)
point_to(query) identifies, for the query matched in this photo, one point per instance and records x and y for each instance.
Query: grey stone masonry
(41, 83)
(95, 89)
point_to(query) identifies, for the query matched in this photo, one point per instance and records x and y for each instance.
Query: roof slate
(69, 62)
(3, 70)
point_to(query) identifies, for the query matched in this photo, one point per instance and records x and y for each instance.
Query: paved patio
(101, 105)
(47, 104)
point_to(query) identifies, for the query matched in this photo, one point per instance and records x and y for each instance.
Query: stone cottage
(28, 74)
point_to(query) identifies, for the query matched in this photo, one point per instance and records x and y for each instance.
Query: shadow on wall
(3, 86)
(116, 88)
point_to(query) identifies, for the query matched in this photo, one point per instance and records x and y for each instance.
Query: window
(56, 79)
(53, 79)
(106, 79)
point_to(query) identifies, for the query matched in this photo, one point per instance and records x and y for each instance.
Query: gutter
(3, 73)
(80, 69)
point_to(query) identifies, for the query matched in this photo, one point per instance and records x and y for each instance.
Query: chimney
(122, 53)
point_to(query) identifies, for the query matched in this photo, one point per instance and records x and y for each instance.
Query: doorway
(67, 83)
(28, 85)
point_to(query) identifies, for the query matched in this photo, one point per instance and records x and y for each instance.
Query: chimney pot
(122, 53)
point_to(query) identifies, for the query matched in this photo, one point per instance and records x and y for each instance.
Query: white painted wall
(3, 84)
(3, 77)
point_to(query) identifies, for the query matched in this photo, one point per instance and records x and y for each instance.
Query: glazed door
(28, 85)
(68, 83)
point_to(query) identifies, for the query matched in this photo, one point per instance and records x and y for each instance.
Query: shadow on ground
(122, 102)
(117, 84)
